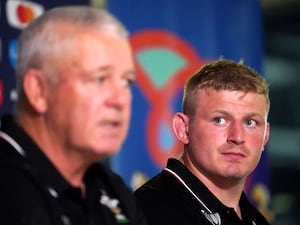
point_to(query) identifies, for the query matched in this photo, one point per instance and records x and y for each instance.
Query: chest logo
(113, 205)
(213, 218)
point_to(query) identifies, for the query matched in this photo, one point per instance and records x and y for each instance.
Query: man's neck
(228, 192)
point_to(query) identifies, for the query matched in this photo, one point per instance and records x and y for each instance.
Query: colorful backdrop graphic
(164, 62)
(171, 40)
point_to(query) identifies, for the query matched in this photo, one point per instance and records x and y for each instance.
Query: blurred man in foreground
(74, 72)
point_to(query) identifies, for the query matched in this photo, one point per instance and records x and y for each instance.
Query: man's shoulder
(161, 186)
(14, 169)
(19, 193)
(162, 200)
(10, 159)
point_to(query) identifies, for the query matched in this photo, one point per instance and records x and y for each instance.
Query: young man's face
(227, 134)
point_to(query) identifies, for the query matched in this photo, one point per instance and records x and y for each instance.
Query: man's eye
(128, 82)
(99, 79)
(219, 120)
(251, 123)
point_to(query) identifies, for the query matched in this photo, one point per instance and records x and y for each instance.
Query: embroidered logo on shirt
(213, 218)
(113, 205)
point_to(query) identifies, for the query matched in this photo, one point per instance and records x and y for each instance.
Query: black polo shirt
(177, 197)
(32, 191)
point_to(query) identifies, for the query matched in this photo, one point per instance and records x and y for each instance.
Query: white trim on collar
(12, 142)
(213, 218)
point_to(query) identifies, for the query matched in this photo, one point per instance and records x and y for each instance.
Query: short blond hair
(224, 75)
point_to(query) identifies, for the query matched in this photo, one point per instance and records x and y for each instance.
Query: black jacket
(166, 200)
(33, 192)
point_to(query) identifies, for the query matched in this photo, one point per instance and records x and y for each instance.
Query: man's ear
(35, 85)
(180, 127)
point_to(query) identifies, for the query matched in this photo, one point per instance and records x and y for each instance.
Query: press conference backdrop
(171, 40)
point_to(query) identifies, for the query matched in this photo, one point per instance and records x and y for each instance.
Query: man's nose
(119, 94)
(236, 133)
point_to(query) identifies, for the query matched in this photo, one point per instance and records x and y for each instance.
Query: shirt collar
(40, 164)
(204, 194)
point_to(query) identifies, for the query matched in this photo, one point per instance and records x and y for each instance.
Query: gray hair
(41, 41)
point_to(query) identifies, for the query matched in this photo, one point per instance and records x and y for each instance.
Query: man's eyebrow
(250, 114)
(103, 69)
(132, 72)
(221, 111)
